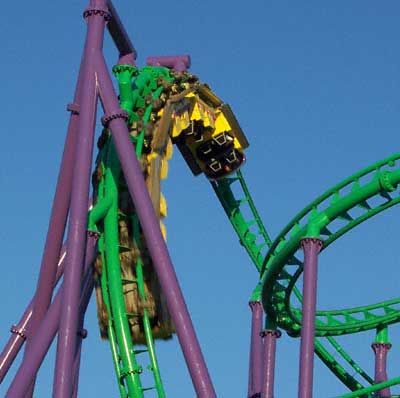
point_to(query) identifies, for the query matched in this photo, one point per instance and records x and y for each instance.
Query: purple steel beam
(22, 329)
(87, 289)
(56, 229)
(311, 248)
(381, 350)
(47, 330)
(270, 336)
(119, 35)
(256, 348)
(115, 119)
(96, 16)
(178, 62)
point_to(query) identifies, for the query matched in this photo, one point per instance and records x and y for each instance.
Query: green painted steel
(277, 261)
(281, 268)
(368, 390)
(251, 232)
(130, 370)
(134, 86)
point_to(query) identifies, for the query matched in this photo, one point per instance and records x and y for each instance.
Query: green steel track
(352, 202)
(355, 200)
(236, 200)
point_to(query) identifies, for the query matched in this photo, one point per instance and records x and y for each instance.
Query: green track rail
(236, 200)
(353, 201)
(104, 218)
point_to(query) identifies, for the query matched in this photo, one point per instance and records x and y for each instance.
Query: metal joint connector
(73, 108)
(384, 181)
(83, 333)
(271, 332)
(19, 331)
(90, 12)
(121, 114)
(93, 234)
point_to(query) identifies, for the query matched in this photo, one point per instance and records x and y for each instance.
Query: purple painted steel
(178, 62)
(270, 337)
(311, 247)
(256, 348)
(67, 335)
(119, 35)
(47, 330)
(127, 59)
(22, 328)
(381, 350)
(77, 364)
(56, 229)
(155, 241)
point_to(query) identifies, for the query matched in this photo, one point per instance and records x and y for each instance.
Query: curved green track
(355, 200)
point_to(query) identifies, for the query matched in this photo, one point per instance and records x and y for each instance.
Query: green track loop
(282, 267)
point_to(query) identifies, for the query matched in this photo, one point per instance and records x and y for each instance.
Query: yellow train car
(207, 133)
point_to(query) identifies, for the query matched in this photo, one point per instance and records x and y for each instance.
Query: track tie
(331, 320)
(364, 205)
(350, 319)
(139, 351)
(369, 315)
(294, 261)
(389, 310)
(123, 249)
(345, 216)
(148, 388)
(385, 195)
(325, 231)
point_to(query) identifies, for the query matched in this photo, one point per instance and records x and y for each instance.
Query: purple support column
(22, 328)
(42, 340)
(58, 219)
(311, 247)
(256, 348)
(270, 336)
(96, 16)
(381, 350)
(115, 119)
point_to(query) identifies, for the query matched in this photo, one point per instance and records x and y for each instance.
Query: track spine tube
(311, 247)
(155, 241)
(131, 369)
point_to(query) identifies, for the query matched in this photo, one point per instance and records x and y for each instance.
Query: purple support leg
(270, 337)
(381, 350)
(56, 229)
(115, 119)
(256, 348)
(311, 247)
(22, 328)
(47, 330)
(96, 16)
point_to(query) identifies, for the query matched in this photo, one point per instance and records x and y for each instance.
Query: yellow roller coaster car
(207, 133)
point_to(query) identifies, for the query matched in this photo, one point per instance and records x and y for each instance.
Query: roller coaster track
(355, 200)
(277, 260)
(236, 200)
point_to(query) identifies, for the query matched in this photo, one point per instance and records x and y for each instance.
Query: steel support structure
(311, 247)
(256, 350)
(270, 336)
(64, 315)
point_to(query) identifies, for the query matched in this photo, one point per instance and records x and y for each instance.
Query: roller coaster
(115, 243)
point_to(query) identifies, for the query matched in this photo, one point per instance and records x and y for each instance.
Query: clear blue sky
(315, 86)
